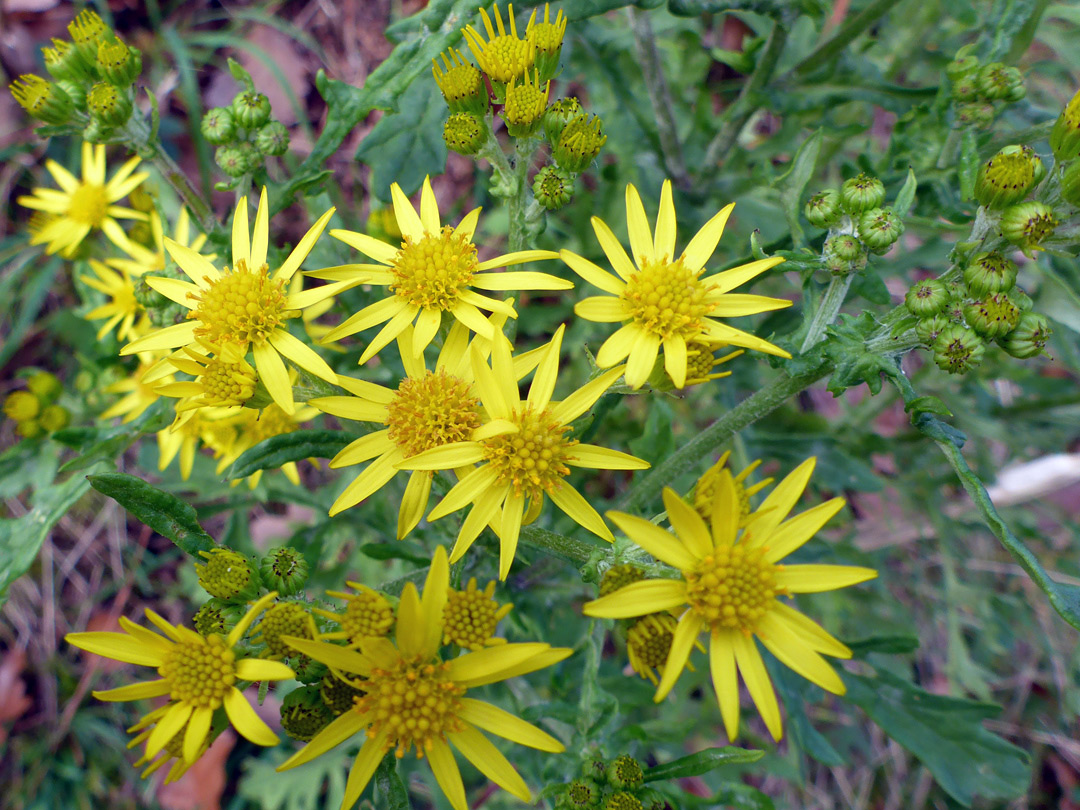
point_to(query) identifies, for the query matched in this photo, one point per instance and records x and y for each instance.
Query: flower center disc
(366, 615)
(431, 411)
(507, 57)
(431, 273)
(533, 459)
(667, 298)
(648, 641)
(412, 703)
(226, 383)
(88, 205)
(200, 671)
(732, 588)
(469, 618)
(242, 306)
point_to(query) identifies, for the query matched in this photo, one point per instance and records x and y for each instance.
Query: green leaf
(947, 736)
(905, 198)
(794, 181)
(390, 791)
(164, 513)
(392, 551)
(108, 443)
(702, 762)
(239, 72)
(271, 453)
(887, 644)
(739, 796)
(926, 405)
(969, 164)
(407, 145)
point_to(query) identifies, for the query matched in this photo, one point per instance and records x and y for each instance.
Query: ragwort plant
(404, 344)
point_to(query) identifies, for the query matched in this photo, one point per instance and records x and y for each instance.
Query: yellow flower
(413, 698)
(503, 56)
(704, 495)
(729, 588)
(81, 206)
(223, 378)
(173, 752)
(198, 673)
(245, 305)
(427, 409)
(700, 361)
(142, 259)
(471, 616)
(122, 307)
(664, 301)
(434, 272)
(367, 615)
(139, 391)
(528, 463)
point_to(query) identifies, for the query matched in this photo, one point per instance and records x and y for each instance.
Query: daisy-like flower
(503, 56)
(704, 494)
(663, 301)
(80, 206)
(367, 614)
(731, 579)
(173, 752)
(139, 393)
(413, 698)
(521, 467)
(141, 259)
(198, 673)
(435, 271)
(223, 378)
(701, 360)
(428, 409)
(245, 305)
(471, 617)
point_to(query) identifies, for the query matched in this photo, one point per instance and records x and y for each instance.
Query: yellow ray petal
(339, 730)
(445, 768)
(664, 243)
(409, 630)
(593, 273)
(490, 762)
(512, 514)
(757, 683)
(724, 678)
(642, 358)
(301, 354)
(781, 500)
(791, 534)
(570, 501)
(508, 726)
(429, 208)
(520, 257)
(407, 219)
(260, 238)
(585, 397)
(413, 503)
(688, 525)
(601, 309)
(447, 457)
(354, 408)
(467, 226)
(167, 727)
(601, 458)
(639, 599)
(174, 289)
(736, 276)
(197, 730)
(368, 245)
(181, 334)
(427, 326)
(733, 305)
(675, 359)
(622, 264)
(487, 665)
(436, 589)
(117, 646)
(520, 280)
(660, 543)
(379, 312)
(259, 669)
(485, 508)
(389, 332)
(543, 384)
(637, 223)
(241, 239)
(246, 721)
(702, 246)
(790, 650)
(367, 760)
(370, 481)
(303, 248)
(812, 634)
(682, 642)
(818, 578)
(274, 376)
(135, 691)
(197, 267)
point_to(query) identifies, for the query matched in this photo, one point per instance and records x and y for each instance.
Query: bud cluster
(616, 784)
(858, 221)
(92, 75)
(35, 410)
(244, 134)
(980, 90)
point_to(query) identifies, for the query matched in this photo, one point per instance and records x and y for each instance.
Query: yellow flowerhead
(730, 581)
(198, 673)
(435, 271)
(471, 617)
(704, 495)
(81, 206)
(139, 390)
(223, 378)
(173, 752)
(245, 305)
(503, 56)
(663, 301)
(414, 698)
(523, 466)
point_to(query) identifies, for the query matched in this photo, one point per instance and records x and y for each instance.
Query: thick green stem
(659, 95)
(523, 153)
(561, 546)
(827, 310)
(843, 37)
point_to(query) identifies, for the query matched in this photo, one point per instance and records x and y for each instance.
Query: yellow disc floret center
(534, 459)
(507, 57)
(283, 619)
(732, 588)
(413, 703)
(667, 299)
(366, 615)
(470, 617)
(648, 642)
(241, 306)
(88, 205)
(200, 671)
(431, 411)
(227, 383)
(433, 271)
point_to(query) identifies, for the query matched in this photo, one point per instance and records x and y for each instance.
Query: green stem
(559, 545)
(947, 155)
(523, 152)
(844, 36)
(827, 310)
(659, 95)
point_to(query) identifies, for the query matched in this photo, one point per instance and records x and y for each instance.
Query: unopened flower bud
(526, 101)
(619, 576)
(1008, 176)
(338, 695)
(958, 349)
(824, 209)
(303, 713)
(862, 193)
(558, 115)
(965, 89)
(63, 62)
(1028, 224)
(963, 64)
(997, 82)
(582, 794)
(621, 800)
(284, 570)
(927, 298)
(281, 620)
(42, 99)
(1021, 299)
(251, 109)
(218, 126)
(462, 84)
(992, 315)
(30, 429)
(307, 669)
(217, 617)
(87, 31)
(579, 143)
(76, 91)
(990, 273)
(652, 800)
(228, 575)
(1029, 337)
(117, 63)
(879, 228)
(624, 773)
(927, 329)
(976, 114)
(21, 406)
(547, 38)
(1065, 136)
(45, 386)
(553, 187)
(234, 160)
(54, 418)
(1070, 183)
(464, 133)
(844, 254)
(108, 104)
(273, 139)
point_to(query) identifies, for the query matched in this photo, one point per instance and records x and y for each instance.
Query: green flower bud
(1029, 337)
(464, 133)
(303, 714)
(844, 254)
(284, 570)
(558, 115)
(1065, 136)
(579, 143)
(228, 575)
(582, 794)
(958, 349)
(45, 386)
(97, 131)
(619, 576)
(87, 31)
(595, 768)
(862, 193)
(1008, 177)
(553, 187)
(963, 64)
(30, 429)
(283, 619)
(42, 99)
(621, 800)
(977, 114)
(1070, 183)
(54, 418)
(927, 298)
(219, 126)
(251, 109)
(624, 773)
(997, 82)
(990, 273)
(992, 316)
(547, 38)
(526, 101)
(461, 84)
(927, 329)
(879, 228)
(1027, 225)
(117, 63)
(63, 62)
(1021, 299)
(823, 209)
(76, 91)
(273, 139)
(21, 406)
(217, 616)
(338, 695)
(108, 104)
(954, 310)
(652, 800)
(965, 89)
(307, 670)
(234, 160)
